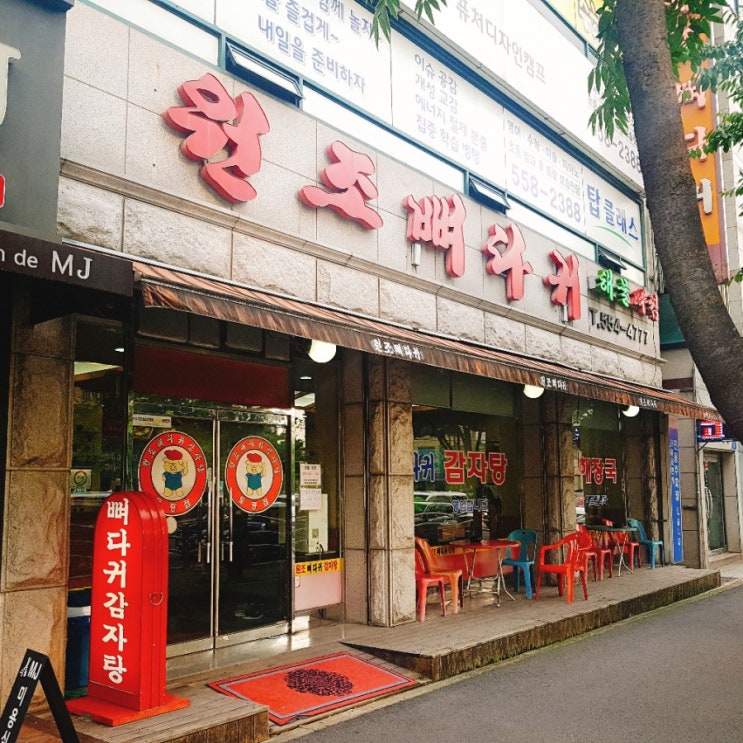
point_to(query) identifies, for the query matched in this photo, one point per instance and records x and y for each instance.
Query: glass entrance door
(715, 502)
(254, 559)
(222, 478)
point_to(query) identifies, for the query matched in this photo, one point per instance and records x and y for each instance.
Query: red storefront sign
(213, 121)
(461, 465)
(511, 261)
(597, 469)
(2, 191)
(349, 186)
(439, 222)
(128, 619)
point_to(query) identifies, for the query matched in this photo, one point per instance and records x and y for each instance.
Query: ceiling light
(321, 352)
(630, 411)
(532, 391)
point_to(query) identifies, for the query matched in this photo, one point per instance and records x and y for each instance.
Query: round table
(472, 548)
(621, 535)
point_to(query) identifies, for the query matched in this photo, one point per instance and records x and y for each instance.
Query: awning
(200, 295)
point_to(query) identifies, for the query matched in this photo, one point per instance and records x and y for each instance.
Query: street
(675, 674)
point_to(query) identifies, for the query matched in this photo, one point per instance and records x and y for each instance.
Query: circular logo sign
(173, 469)
(254, 474)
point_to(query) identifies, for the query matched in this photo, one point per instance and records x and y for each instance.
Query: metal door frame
(218, 414)
(717, 458)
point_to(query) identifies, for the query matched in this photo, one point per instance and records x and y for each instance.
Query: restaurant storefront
(471, 390)
(188, 394)
(239, 443)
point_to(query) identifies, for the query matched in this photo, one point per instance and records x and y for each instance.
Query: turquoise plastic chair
(525, 560)
(650, 544)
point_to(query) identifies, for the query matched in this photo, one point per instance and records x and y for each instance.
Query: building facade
(239, 189)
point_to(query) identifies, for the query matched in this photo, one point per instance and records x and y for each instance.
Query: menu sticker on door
(310, 475)
(254, 474)
(173, 468)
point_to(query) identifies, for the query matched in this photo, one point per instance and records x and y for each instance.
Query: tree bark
(712, 338)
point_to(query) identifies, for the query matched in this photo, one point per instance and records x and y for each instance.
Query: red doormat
(314, 686)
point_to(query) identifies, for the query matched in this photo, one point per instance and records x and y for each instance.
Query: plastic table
(621, 535)
(471, 549)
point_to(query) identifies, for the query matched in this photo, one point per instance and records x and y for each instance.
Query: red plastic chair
(432, 564)
(574, 561)
(598, 553)
(424, 581)
(630, 547)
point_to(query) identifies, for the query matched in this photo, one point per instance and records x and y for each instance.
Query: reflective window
(98, 435)
(467, 463)
(598, 462)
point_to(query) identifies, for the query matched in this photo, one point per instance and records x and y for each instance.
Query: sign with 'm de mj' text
(42, 259)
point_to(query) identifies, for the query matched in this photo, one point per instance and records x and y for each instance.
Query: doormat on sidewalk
(314, 686)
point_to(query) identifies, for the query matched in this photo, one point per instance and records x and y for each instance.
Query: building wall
(126, 187)
(130, 189)
(36, 507)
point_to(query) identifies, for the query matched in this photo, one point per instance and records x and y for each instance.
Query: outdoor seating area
(467, 568)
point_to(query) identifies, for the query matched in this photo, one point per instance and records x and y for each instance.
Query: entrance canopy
(200, 295)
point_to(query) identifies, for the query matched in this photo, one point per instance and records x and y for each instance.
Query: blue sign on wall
(676, 527)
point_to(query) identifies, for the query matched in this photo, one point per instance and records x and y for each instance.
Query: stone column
(378, 481)
(534, 496)
(390, 484)
(354, 506)
(36, 507)
(651, 475)
(559, 466)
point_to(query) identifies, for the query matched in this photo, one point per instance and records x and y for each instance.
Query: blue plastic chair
(650, 544)
(525, 560)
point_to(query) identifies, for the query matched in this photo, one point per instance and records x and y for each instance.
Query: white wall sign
(557, 184)
(151, 421)
(524, 50)
(444, 112)
(326, 42)
(542, 174)
(612, 219)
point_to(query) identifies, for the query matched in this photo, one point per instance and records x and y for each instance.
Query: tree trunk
(712, 338)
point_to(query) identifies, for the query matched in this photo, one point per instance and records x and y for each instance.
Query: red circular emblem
(173, 469)
(254, 474)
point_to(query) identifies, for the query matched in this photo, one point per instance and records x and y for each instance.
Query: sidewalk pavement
(439, 648)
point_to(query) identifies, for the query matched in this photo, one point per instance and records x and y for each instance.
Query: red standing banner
(129, 609)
